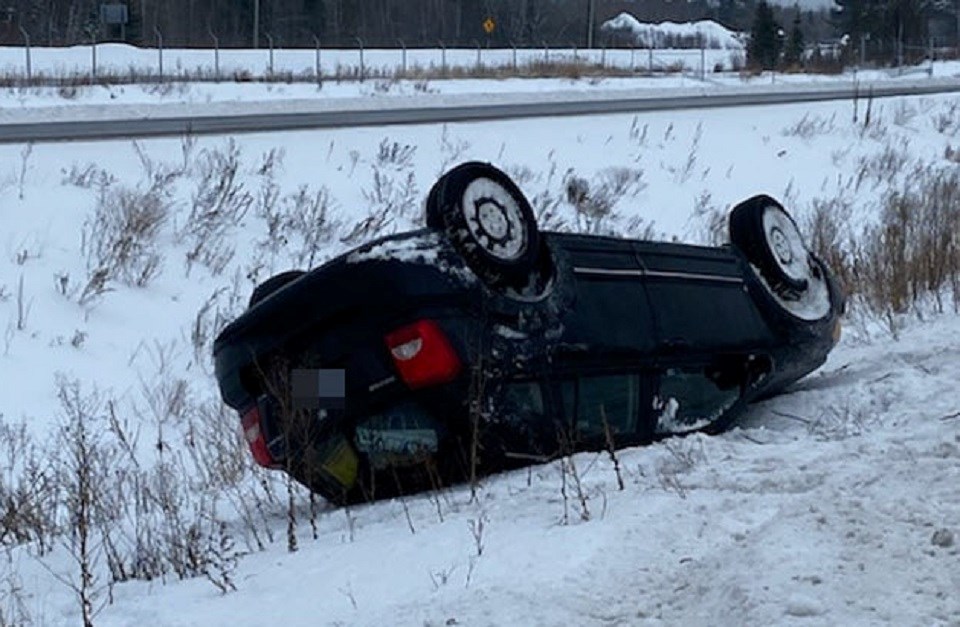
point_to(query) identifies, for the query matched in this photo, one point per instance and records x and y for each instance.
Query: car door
(611, 309)
(698, 299)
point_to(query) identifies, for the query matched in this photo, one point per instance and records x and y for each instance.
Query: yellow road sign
(489, 25)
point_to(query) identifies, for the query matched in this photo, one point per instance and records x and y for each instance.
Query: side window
(594, 403)
(692, 398)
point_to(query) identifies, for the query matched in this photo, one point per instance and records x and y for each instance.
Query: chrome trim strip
(379, 384)
(699, 277)
(608, 271)
(658, 274)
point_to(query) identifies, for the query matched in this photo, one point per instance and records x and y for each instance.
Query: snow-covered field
(838, 503)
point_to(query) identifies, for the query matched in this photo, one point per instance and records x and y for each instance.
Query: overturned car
(479, 343)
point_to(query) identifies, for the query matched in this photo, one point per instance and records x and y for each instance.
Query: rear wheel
(489, 221)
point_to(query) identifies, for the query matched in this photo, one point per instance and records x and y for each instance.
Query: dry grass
(120, 241)
(908, 258)
(70, 85)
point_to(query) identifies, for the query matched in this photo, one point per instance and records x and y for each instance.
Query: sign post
(489, 25)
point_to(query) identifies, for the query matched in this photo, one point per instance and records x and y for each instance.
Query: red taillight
(423, 354)
(254, 437)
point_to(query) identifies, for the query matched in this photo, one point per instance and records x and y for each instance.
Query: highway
(94, 123)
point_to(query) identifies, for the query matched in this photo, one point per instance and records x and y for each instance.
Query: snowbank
(673, 34)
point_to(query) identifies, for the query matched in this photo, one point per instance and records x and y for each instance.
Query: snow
(831, 504)
(419, 249)
(658, 34)
(812, 304)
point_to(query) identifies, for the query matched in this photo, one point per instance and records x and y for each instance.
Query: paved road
(464, 109)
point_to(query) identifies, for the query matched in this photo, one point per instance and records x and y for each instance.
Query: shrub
(120, 242)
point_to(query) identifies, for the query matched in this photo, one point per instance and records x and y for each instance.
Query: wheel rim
(494, 219)
(786, 244)
(780, 246)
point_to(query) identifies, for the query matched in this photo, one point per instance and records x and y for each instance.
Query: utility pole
(591, 16)
(899, 46)
(256, 24)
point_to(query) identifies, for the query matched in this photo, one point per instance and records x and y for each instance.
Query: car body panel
(634, 320)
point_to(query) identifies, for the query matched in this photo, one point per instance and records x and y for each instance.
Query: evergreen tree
(856, 18)
(766, 40)
(793, 55)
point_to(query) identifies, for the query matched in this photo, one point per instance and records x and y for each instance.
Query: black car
(479, 344)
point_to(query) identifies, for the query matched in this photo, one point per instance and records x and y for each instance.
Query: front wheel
(770, 240)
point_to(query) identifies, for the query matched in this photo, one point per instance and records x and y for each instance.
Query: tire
(272, 284)
(769, 238)
(431, 210)
(489, 222)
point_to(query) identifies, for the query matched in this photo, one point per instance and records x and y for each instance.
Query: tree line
(872, 29)
(884, 31)
(341, 23)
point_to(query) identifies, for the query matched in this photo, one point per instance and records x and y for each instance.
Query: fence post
(403, 58)
(93, 48)
(26, 43)
(270, 58)
(575, 57)
(479, 58)
(443, 59)
(703, 61)
(362, 68)
(603, 55)
(216, 55)
(514, 46)
(650, 58)
(318, 73)
(546, 53)
(159, 35)
(633, 63)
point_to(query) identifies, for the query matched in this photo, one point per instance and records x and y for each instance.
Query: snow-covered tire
(488, 220)
(770, 240)
(272, 284)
